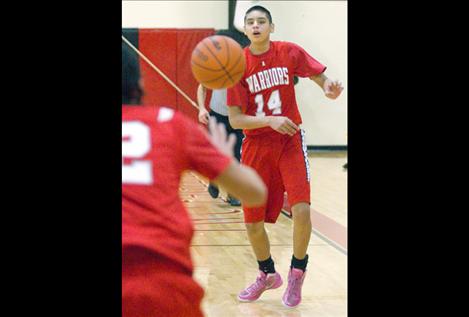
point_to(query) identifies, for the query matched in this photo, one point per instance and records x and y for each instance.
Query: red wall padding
(170, 50)
(159, 47)
(186, 41)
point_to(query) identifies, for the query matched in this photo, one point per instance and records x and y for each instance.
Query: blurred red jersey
(158, 145)
(267, 86)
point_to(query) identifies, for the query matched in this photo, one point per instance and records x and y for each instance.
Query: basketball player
(158, 144)
(263, 104)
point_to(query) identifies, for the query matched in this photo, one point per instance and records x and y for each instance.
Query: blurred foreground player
(158, 145)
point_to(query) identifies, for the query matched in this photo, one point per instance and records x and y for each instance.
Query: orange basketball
(218, 62)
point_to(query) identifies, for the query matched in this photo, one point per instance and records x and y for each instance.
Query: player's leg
(267, 278)
(301, 229)
(259, 240)
(294, 167)
(254, 218)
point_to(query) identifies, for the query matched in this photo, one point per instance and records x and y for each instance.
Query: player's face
(257, 26)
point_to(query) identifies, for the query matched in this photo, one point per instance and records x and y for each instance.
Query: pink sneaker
(262, 283)
(292, 295)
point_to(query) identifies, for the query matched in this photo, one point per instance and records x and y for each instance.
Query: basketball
(218, 62)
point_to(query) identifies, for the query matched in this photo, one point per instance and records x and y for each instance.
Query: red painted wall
(170, 50)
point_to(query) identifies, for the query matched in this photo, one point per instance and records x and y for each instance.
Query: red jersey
(267, 87)
(158, 144)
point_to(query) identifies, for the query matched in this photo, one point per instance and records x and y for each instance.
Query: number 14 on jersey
(274, 104)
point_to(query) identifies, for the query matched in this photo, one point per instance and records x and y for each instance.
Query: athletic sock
(267, 266)
(299, 264)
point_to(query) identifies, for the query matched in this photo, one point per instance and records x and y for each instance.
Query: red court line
(325, 226)
(329, 228)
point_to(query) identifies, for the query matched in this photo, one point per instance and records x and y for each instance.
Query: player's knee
(301, 211)
(255, 227)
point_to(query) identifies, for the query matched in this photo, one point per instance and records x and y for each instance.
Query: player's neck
(259, 48)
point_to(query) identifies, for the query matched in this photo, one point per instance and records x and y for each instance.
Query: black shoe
(213, 191)
(233, 201)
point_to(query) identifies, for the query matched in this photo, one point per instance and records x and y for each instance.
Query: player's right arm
(281, 124)
(203, 113)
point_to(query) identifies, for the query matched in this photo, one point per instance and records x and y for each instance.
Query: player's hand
(332, 88)
(203, 115)
(219, 139)
(283, 125)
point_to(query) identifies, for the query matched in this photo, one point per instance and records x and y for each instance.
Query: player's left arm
(305, 65)
(332, 89)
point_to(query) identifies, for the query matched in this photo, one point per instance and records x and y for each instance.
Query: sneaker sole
(288, 306)
(247, 300)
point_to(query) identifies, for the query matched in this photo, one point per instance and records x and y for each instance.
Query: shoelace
(260, 283)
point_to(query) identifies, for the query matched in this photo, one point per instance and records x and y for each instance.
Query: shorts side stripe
(305, 154)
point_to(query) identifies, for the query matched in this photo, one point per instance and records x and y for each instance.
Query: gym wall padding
(186, 42)
(170, 50)
(159, 46)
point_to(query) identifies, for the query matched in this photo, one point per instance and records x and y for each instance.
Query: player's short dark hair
(259, 8)
(131, 90)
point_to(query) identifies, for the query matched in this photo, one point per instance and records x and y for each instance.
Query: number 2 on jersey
(135, 147)
(274, 103)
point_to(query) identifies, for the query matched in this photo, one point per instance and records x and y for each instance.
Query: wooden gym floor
(225, 264)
